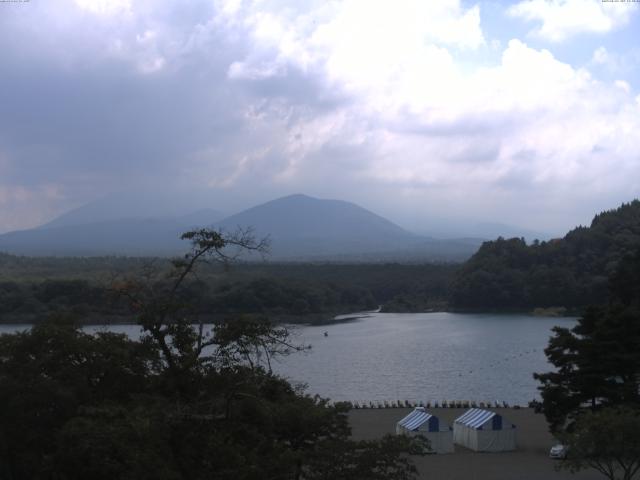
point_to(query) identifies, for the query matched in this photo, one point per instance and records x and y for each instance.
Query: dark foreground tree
(182, 402)
(607, 441)
(48, 375)
(598, 361)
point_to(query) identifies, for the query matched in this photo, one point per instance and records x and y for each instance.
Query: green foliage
(76, 406)
(597, 361)
(276, 296)
(288, 292)
(570, 272)
(113, 442)
(180, 403)
(47, 374)
(608, 441)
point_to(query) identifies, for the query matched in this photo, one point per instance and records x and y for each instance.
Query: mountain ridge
(300, 227)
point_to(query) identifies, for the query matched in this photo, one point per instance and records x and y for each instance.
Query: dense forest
(570, 272)
(33, 288)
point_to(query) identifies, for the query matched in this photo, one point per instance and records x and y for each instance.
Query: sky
(524, 112)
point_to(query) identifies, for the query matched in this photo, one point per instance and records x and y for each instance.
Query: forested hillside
(33, 288)
(570, 272)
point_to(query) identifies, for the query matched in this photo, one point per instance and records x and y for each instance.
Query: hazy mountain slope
(300, 228)
(306, 228)
(129, 236)
(118, 237)
(137, 205)
(301, 216)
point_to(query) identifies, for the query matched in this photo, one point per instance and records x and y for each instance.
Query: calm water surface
(428, 357)
(418, 357)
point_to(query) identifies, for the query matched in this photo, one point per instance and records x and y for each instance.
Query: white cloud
(390, 26)
(537, 115)
(247, 71)
(105, 7)
(600, 56)
(561, 19)
(370, 101)
(622, 85)
(414, 120)
(381, 50)
(25, 207)
(615, 63)
(530, 123)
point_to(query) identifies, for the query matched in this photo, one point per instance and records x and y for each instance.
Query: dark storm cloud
(108, 119)
(87, 113)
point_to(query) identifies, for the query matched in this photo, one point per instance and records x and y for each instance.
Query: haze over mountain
(141, 204)
(132, 237)
(299, 227)
(207, 207)
(454, 228)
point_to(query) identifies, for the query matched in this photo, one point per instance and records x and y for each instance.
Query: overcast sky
(525, 112)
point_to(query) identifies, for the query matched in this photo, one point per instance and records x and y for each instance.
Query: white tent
(484, 431)
(419, 422)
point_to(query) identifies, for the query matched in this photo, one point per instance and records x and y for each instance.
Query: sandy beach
(529, 462)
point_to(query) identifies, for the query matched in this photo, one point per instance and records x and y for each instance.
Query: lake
(417, 357)
(425, 357)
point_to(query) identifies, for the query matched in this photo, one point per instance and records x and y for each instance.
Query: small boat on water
(326, 334)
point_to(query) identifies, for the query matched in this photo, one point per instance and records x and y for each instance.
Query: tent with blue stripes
(484, 431)
(421, 422)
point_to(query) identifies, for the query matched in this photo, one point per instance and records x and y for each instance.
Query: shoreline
(312, 319)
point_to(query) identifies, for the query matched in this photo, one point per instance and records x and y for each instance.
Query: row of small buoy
(510, 358)
(443, 404)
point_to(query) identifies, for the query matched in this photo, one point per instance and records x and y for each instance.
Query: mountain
(140, 205)
(569, 272)
(302, 225)
(299, 227)
(133, 237)
(306, 228)
(301, 216)
(131, 223)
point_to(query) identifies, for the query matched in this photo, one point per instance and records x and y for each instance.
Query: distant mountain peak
(302, 216)
(301, 227)
(296, 196)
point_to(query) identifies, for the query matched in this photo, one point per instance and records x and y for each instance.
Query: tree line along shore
(561, 276)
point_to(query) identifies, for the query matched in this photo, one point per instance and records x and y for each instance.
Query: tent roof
(415, 419)
(475, 417)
